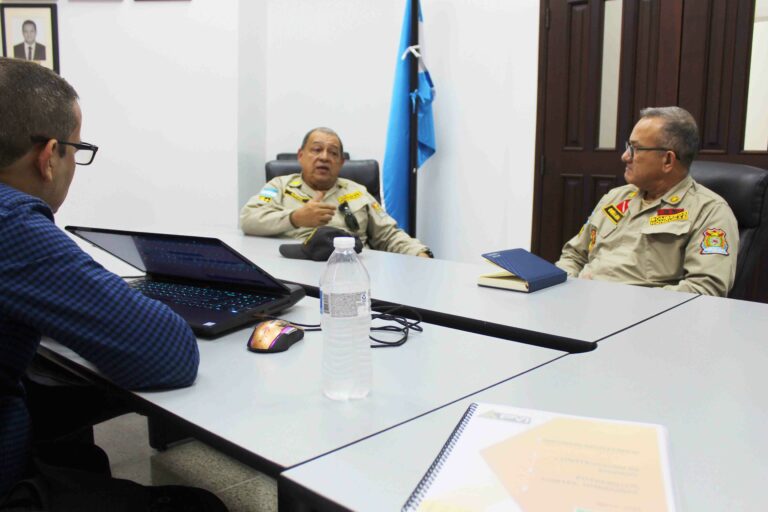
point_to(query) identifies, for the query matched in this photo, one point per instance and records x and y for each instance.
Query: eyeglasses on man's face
(84, 152)
(632, 149)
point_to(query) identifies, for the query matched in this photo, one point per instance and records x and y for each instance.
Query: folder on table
(506, 458)
(521, 271)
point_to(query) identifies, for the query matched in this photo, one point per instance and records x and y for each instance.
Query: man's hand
(314, 213)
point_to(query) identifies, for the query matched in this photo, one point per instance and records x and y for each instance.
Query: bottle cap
(344, 242)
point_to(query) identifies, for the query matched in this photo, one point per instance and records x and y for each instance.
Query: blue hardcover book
(522, 271)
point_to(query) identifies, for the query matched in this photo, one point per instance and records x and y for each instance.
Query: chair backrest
(294, 156)
(745, 189)
(364, 172)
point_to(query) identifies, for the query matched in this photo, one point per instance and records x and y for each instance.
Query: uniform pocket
(663, 251)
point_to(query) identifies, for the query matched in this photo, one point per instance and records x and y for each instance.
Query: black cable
(385, 313)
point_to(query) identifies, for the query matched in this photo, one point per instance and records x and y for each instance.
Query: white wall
(188, 99)
(158, 87)
(332, 63)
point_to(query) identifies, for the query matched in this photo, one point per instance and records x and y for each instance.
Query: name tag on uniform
(664, 219)
(350, 197)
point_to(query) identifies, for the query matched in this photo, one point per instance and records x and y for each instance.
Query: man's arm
(49, 285)
(264, 214)
(709, 267)
(576, 252)
(384, 234)
(267, 214)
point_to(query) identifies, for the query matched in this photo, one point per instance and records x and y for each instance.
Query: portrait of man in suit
(30, 49)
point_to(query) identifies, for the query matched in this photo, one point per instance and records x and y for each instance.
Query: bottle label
(345, 305)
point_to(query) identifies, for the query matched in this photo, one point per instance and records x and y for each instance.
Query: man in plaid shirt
(48, 286)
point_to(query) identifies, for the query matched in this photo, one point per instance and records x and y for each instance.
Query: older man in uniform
(662, 229)
(293, 206)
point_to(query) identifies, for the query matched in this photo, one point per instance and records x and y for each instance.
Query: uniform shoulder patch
(714, 242)
(266, 194)
(378, 209)
(592, 239)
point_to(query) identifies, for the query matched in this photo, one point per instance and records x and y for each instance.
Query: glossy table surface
(698, 370)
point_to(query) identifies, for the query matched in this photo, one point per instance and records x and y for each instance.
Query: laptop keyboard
(200, 297)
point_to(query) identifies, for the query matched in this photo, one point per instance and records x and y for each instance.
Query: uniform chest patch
(623, 206)
(297, 195)
(664, 219)
(714, 242)
(613, 213)
(669, 211)
(350, 197)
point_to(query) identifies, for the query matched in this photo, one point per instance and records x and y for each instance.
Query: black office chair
(745, 189)
(364, 172)
(294, 156)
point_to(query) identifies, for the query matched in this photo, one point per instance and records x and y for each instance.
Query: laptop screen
(183, 257)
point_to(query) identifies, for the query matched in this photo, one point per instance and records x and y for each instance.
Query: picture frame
(30, 32)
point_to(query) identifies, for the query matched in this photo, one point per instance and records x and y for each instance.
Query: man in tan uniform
(662, 229)
(293, 206)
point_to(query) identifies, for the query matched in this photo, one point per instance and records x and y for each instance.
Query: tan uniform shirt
(687, 240)
(266, 214)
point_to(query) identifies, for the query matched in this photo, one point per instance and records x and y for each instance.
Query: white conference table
(571, 316)
(268, 409)
(699, 370)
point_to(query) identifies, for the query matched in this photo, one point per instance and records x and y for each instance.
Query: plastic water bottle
(345, 309)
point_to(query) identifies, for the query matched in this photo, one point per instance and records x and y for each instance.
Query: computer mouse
(274, 336)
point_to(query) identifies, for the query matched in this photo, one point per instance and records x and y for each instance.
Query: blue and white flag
(404, 101)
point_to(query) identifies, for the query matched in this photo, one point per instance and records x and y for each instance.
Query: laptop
(209, 284)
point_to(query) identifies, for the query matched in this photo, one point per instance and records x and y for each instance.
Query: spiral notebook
(504, 458)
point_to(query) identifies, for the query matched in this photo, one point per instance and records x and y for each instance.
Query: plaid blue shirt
(48, 286)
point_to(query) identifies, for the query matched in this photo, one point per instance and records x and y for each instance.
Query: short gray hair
(35, 102)
(679, 132)
(324, 130)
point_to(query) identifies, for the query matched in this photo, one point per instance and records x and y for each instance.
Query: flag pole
(413, 81)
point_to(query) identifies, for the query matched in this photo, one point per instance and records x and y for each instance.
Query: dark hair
(29, 22)
(679, 132)
(322, 129)
(34, 101)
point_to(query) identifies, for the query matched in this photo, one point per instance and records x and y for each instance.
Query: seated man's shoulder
(16, 204)
(286, 180)
(619, 193)
(705, 195)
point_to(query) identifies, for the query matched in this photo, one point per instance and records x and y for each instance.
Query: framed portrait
(30, 32)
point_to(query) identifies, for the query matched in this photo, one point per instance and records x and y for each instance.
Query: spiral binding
(421, 490)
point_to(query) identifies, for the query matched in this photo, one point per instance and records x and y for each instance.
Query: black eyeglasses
(628, 146)
(349, 217)
(84, 152)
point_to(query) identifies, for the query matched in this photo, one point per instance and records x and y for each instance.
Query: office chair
(745, 189)
(294, 156)
(364, 172)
